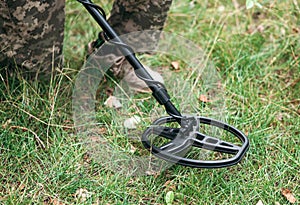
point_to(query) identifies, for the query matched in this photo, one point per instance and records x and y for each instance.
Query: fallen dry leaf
(288, 195)
(175, 65)
(5, 125)
(113, 102)
(169, 186)
(296, 30)
(152, 173)
(53, 201)
(82, 194)
(167, 183)
(131, 123)
(95, 138)
(204, 98)
(98, 130)
(132, 149)
(259, 203)
(21, 187)
(56, 202)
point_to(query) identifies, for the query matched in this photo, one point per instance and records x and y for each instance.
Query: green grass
(43, 160)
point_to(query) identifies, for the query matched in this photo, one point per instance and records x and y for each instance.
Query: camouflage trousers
(32, 32)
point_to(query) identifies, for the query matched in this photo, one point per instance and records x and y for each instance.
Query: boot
(121, 68)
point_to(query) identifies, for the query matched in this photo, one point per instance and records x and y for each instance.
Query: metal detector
(186, 136)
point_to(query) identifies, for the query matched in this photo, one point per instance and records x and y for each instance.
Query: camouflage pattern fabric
(31, 33)
(130, 15)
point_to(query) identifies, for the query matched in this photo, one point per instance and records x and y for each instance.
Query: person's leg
(31, 34)
(128, 16)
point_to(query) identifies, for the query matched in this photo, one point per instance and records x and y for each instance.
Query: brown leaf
(22, 187)
(296, 30)
(175, 65)
(56, 202)
(86, 158)
(204, 98)
(167, 183)
(152, 173)
(53, 201)
(288, 195)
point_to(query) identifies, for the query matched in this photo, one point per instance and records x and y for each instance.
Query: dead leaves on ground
(82, 194)
(113, 102)
(204, 99)
(131, 123)
(175, 65)
(288, 195)
(259, 203)
(54, 201)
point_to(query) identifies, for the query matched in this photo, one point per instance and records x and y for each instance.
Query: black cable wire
(149, 82)
(118, 44)
(175, 116)
(88, 3)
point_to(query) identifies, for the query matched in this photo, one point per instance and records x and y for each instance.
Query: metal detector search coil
(188, 136)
